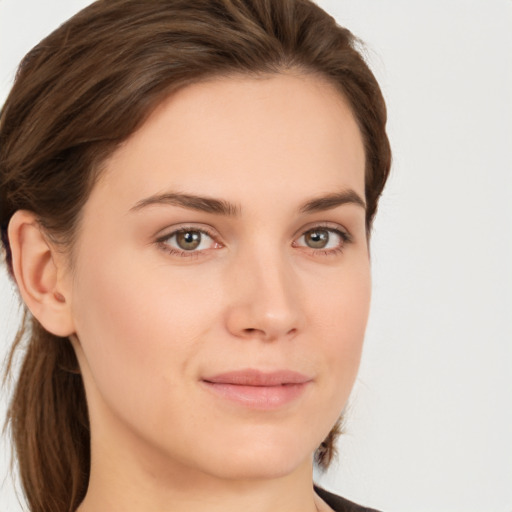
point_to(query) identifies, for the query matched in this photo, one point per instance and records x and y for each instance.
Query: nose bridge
(266, 303)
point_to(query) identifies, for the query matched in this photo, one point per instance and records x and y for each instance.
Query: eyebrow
(226, 208)
(190, 201)
(331, 201)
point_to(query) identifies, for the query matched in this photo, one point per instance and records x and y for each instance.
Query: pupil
(188, 240)
(317, 239)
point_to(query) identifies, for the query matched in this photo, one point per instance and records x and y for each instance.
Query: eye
(188, 241)
(326, 239)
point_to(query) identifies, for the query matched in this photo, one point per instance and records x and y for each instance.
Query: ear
(39, 273)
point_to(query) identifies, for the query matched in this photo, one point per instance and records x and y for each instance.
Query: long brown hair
(81, 92)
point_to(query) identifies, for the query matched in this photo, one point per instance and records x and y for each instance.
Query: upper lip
(254, 377)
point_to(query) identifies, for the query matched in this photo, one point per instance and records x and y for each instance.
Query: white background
(431, 414)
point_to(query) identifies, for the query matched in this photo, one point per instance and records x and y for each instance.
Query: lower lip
(258, 397)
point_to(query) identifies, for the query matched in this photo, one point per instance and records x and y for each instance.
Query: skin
(149, 323)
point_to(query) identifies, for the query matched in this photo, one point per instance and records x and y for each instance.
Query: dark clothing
(340, 504)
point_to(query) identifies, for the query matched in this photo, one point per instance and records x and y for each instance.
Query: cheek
(344, 314)
(139, 329)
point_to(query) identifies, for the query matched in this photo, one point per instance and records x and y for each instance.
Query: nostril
(253, 332)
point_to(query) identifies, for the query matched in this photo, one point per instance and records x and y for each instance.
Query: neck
(124, 477)
(132, 491)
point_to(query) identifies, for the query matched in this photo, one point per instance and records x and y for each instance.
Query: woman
(187, 193)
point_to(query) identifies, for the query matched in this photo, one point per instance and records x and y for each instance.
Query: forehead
(226, 135)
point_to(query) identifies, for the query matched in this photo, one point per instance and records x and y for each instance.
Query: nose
(264, 299)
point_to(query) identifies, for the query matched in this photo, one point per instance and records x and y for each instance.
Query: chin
(261, 458)
(259, 466)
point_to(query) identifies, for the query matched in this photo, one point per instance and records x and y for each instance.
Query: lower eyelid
(182, 254)
(329, 252)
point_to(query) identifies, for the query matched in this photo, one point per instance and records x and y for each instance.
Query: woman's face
(222, 281)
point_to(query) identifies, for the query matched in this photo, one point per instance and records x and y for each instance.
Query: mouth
(258, 389)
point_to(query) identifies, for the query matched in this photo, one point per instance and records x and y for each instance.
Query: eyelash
(345, 237)
(173, 251)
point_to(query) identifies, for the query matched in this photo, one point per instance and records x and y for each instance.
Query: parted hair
(81, 92)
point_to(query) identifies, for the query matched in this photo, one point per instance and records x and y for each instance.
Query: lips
(258, 389)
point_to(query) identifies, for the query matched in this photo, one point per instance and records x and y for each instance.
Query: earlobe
(37, 273)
